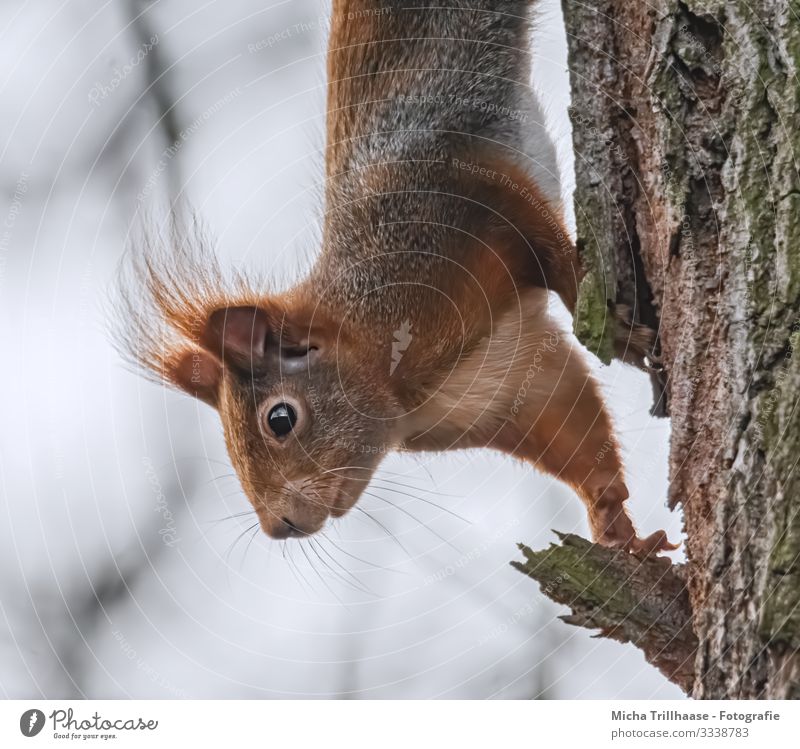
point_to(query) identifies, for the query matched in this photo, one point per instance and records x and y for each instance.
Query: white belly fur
(509, 376)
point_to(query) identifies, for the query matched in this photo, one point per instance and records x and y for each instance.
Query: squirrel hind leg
(634, 343)
(637, 345)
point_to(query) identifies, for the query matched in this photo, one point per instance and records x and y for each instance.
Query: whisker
(214, 523)
(378, 522)
(235, 516)
(421, 463)
(384, 528)
(415, 519)
(359, 585)
(335, 573)
(204, 459)
(252, 538)
(359, 559)
(319, 574)
(417, 488)
(236, 493)
(236, 541)
(214, 479)
(295, 569)
(394, 474)
(427, 501)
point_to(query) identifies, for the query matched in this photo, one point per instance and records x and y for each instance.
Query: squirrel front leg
(562, 426)
(526, 390)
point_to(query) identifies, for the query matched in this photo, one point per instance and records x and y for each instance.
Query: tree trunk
(685, 126)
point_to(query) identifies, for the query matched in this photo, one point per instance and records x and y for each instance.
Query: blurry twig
(157, 69)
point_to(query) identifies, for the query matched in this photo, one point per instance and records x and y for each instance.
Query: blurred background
(124, 571)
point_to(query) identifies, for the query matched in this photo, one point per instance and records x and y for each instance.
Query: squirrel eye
(281, 419)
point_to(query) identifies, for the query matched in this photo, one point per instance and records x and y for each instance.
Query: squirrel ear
(237, 336)
(197, 373)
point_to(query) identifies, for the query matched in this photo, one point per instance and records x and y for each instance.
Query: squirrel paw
(612, 527)
(653, 544)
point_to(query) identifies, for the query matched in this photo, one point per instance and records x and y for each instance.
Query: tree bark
(686, 139)
(642, 601)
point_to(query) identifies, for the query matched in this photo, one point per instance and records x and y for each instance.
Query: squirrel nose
(287, 529)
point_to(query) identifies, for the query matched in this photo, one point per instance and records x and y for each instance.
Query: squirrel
(425, 322)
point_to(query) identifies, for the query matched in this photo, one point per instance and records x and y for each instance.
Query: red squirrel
(424, 323)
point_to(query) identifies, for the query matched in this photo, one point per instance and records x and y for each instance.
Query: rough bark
(686, 134)
(641, 601)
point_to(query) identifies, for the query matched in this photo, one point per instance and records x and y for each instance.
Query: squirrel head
(306, 411)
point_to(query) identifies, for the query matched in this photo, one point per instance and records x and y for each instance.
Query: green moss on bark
(593, 319)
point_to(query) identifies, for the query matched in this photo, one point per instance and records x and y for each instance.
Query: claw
(653, 544)
(613, 528)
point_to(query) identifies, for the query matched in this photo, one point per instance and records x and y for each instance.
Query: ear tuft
(169, 287)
